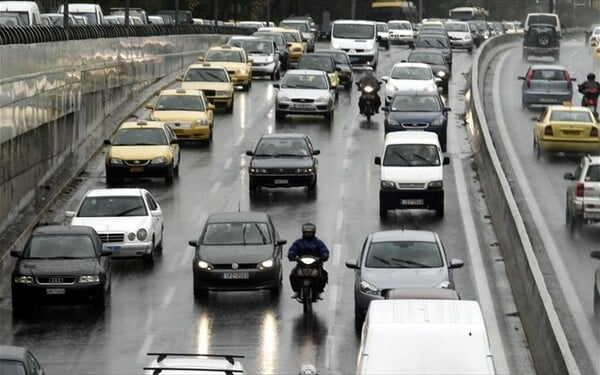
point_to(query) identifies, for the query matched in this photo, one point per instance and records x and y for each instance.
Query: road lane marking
(186, 258)
(340, 220)
(216, 186)
(227, 163)
(238, 142)
(337, 250)
(586, 332)
(149, 320)
(168, 297)
(342, 190)
(142, 356)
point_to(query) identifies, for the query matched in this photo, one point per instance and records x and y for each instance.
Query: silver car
(596, 254)
(265, 59)
(304, 91)
(545, 84)
(399, 259)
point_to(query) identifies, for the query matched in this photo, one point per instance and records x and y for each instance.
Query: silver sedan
(304, 91)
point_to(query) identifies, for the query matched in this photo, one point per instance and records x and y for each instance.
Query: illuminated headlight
(335, 46)
(201, 122)
(323, 99)
(388, 185)
(307, 260)
(438, 121)
(444, 284)
(159, 160)
(222, 93)
(432, 87)
(266, 264)
(141, 234)
(204, 265)
(258, 170)
(115, 161)
(23, 280)
(304, 170)
(89, 279)
(441, 74)
(368, 288)
(390, 87)
(283, 98)
(368, 89)
(269, 60)
(242, 70)
(435, 185)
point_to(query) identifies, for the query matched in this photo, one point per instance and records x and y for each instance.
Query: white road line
(586, 331)
(332, 296)
(216, 186)
(345, 164)
(186, 257)
(238, 142)
(337, 250)
(142, 356)
(340, 220)
(149, 320)
(227, 164)
(481, 282)
(168, 297)
(348, 144)
(342, 190)
(199, 222)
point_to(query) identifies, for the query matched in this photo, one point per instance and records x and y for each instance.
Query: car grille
(228, 266)
(112, 237)
(210, 92)
(410, 185)
(415, 125)
(356, 50)
(56, 280)
(281, 170)
(136, 163)
(303, 100)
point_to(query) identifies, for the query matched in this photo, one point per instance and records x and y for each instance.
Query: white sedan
(594, 39)
(129, 221)
(406, 76)
(305, 91)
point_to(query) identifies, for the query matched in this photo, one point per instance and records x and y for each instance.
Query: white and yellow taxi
(142, 149)
(211, 79)
(565, 128)
(234, 59)
(187, 111)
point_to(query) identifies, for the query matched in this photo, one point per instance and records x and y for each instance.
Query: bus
(468, 14)
(385, 10)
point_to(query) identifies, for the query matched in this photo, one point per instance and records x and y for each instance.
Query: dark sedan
(438, 42)
(60, 262)
(342, 61)
(283, 160)
(435, 59)
(417, 111)
(237, 251)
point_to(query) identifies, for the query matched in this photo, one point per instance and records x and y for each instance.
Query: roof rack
(158, 370)
(229, 357)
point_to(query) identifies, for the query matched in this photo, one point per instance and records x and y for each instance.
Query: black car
(541, 40)
(435, 59)
(439, 42)
(60, 263)
(342, 61)
(237, 251)
(417, 110)
(283, 160)
(16, 360)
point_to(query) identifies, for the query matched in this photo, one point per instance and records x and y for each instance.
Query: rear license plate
(412, 202)
(281, 182)
(571, 132)
(236, 275)
(136, 169)
(55, 291)
(303, 106)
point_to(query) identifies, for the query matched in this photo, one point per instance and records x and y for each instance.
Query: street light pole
(352, 9)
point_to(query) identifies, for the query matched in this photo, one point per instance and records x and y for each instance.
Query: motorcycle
(309, 275)
(368, 95)
(590, 99)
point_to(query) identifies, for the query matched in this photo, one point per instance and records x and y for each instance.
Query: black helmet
(591, 77)
(308, 231)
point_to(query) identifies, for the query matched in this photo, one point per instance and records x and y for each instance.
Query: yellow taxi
(213, 80)
(234, 59)
(142, 149)
(296, 47)
(565, 128)
(187, 111)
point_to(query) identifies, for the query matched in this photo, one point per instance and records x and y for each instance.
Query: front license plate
(412, 202)
(114, 249)
(236, 275)
(136, 169)
(303, 106)
(281, 182)
(55, 291)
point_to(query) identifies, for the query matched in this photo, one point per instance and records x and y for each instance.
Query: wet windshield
(112, 207)
(179, 103)
(294, 147)
(411, 155)
(250, 233)
(60, 246)
(305, 81)
(413, 103)
(140, 137)
(404, 254)
(206, 75)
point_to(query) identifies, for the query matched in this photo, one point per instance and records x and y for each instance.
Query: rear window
(593, 173)
(543, 18)
(571, 116)
(549, 75)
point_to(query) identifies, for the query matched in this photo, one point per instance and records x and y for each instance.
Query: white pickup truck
(583, 193)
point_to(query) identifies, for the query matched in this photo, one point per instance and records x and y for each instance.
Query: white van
(424, 337)
(542, 18)
(92, 12)
(358, 39)
(27, 12)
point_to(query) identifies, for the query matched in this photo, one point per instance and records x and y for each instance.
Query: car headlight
(201, 122)
(322, 99)
(388, 185)
(269, 59)
(368, 288)
(441, 74)
(258, 170)
(141, 234)
(266, 264)
(435, 185)
(221, 93)
(467, 37)
(444, 284)
(438, 121)
(159, 160)
(432, 87)
(368, 89)
(204, 265)
(131, 236)
(23, 279)
(282, 98)
(391, 87)
(89, 279)
(335, 46)
(243, 70)
(304, 170)
(115, 161)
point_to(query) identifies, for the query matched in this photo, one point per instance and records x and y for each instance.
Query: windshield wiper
(402, 157)
(382, 260)
(423, 158)
(411, 262)
(264, 238)
(289, 155)
(264, 155)
(123, 213)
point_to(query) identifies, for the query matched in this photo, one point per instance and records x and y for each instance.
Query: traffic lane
(540, 191)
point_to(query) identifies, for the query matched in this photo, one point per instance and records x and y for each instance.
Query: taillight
(548, 130)
(579, 190)
(529, 78)
(568, 78)
(594, 132)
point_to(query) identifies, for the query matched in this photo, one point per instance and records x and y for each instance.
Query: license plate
(412, 202)
(303, 106)
(546, 100)
(281, 182)
(236, 275)
(571, 132)
(114, 249)
(136, 169)
(55, 291)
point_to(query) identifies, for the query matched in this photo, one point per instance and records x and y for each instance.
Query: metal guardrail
(45, 34)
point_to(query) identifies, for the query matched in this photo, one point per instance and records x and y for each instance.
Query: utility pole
(352, 9)
(126, 13)
(176, 12)
(66, 17)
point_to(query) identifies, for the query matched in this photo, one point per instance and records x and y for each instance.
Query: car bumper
(56, 292)
(263, 69)
(224, 101)
(307, 109)
(239, 79)
(240, 279)
(460, 43)
(193, 134)
(576, 147)
(536, 51)
(401, 39)
(129, 250)
(362, 58)
(408, 199)
(283, 180)
(161, 170)
(546, 98)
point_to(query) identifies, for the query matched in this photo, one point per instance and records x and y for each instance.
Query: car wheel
(383, 210)
(329, 115)
(275, 290)
(230, 108)
(439, 210)
(543, 39)
(537, 151)
(99, 299)
(169, 176)
(596, 302)
(253, 187)
(359, 318)
(149, 259)
(176, 169)
(159, 246)
(312, 188)
(387, 46)
(279, 115)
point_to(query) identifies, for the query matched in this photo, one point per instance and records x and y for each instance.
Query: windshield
(353, 31)
(249, 233)
(206, 75)
(112, 207)
(294, 147)
(278, 39)
(305, 81)
(412, 103)
(542, 19)
(404, 254)
(427, 58)
(340, 58)
(140, 137)
(412, 73)
(179, 103)
(455, 26)
(411, 155)
(571, 116)
(300, 26)
(10, 19)
(323, 63)
(90, 17)
(60, 246)
(429, 42)
(399, 26)
(23, 17)
(257, 47)
(224, 55)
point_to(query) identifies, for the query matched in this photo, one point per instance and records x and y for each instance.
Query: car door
(311, 150)
(173, 146)
(278, 253)
(157, 217)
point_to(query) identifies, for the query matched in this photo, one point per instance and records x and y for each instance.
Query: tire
(543, 39)
(536, 150)
(329, 116)
(439, 210)
(279, 115)
(148, 259)
(230, 108)
(368, 116)
(596, 303)
(387, 46)
(276, 289)
(253, 188)
(359, 318)
(312, 188)
(159, 246)
(574, 223)
(200, 293)
(176, 169)
(306, 299)
(383, 210)
(169, 176)
(210, 136)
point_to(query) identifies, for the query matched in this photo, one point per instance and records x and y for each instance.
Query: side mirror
(385, 109)
(70, 214)
(15, 253)
(180, 78)
(446, 160)
(456, 263)
(249, 153)
(149, 106)
(276, 85)
(377, 160)
(174, 141)
(211, 107)
(107, 142)
(352, 264)
(106, 253)
(316, 152)
(593, 254)
(521, 78)
(534, 118)
(385, 78)
(193, 243)
(200, 58)
(569, 176)
(281, 242)
(447, 109)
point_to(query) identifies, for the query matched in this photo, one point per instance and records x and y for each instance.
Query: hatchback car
(401, 32)
(399, 259)
(188, 112)
(16, 360)
(409, 76)
(545, 84)
(237, 251)
(213, 80)
(439, 42)
(235, 60)
(383, 35)
(60, 263)
(460, 35)
(264, 56)
(417, 110)
(321, 61)
(306, 92)
(142, 149)
(293, 38)
(435, 59)
(280, 46)
(129, 221)
(283, 160)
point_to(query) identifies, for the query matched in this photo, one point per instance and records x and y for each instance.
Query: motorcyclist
(369, 79)
(309, 244)
(590, 89)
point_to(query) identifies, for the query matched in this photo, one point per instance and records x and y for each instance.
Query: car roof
(422, 293)
(547, 66)
(304, 71)
(180, 91)
(426, 50)
(284, 135)
(225, 48)
(362, 22)
(569, 107)
(234, 216)
(416, 93)
(196, 364)
(403, 234)
(117, 192)
(64, 229)
(408, 64)
(412, 137)
(206, 65)
(15, 353)
(142, 124)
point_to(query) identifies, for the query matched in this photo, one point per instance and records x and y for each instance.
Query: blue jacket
(314, 247)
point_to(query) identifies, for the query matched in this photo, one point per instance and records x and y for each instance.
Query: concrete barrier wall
(53, 96)
(547, 341)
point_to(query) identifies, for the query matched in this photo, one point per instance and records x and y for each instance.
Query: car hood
(411, 84)
(304, 93)
(206, 85)
(259, 58)
(459, 34)
(138, 152)
(58, 267)
(268, 162)
(114, 224)
(386, 278)
(413, 116)
(178, 116)
(415, 174)
(236, 253)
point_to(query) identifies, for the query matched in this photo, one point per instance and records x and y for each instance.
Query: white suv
(583, 194)
(411, 172)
